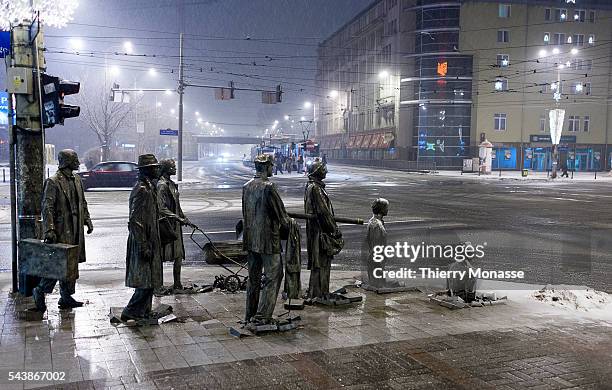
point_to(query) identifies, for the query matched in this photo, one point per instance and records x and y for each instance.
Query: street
(556, 232)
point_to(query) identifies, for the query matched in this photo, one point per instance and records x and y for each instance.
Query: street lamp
(383, 74)
(307, 105)
(129, 48)
(286, 117)
(333, 94)
(152, 72)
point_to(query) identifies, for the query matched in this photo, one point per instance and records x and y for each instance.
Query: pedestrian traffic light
(54, 90)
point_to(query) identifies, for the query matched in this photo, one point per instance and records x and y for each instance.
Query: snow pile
(583, 300)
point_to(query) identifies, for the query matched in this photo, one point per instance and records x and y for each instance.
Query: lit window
(504, 10)
(586, 124)
(591, 39)
(503, 60)
(499, 120)
(560, 15)
(547, 38)
(579, 15)
(569, 39)
(501, 84)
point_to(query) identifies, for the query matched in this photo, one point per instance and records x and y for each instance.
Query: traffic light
(279, 94)
(54, 90)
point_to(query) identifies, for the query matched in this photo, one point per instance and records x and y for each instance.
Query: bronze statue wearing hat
(264, 215)
(172, 215)
(323, 238)
(64, 214)
(144, 271)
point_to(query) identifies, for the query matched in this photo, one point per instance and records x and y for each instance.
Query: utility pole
(27, 137)
(181, 87)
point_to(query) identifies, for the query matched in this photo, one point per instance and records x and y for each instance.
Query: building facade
(465, 70)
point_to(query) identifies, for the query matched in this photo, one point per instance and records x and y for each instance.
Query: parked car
(110, 174)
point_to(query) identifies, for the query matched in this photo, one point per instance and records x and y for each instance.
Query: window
(503, 36)
(504, 10)
(577, 64)
(586, 123)
(587, 88)
(579, 15)
(547, 14)
(573, 123)
(589, 64)
(546, 38)
(499, 122)
(392, 27)
(560, 15)
(578, 39)
(592, 16)
(542, 123)
(501, 84)
(591, 39)
(503, 60)
(559, 38)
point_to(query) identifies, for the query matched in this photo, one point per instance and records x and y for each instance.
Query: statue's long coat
(57, 204)
(143, 226)
(316, 201)
(170, 207)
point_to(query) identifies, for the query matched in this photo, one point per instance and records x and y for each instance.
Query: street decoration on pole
(555, 117)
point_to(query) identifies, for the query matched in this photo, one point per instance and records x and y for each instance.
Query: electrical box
(19, 81)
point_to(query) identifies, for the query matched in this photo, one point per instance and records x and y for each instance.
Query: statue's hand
(147, 253)
(89, 227)
(50, 237)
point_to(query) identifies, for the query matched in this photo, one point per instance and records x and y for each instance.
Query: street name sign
(168, 132)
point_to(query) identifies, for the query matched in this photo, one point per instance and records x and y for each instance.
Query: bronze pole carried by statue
(352, 221)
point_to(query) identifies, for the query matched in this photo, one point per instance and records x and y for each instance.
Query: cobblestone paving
(391, 341)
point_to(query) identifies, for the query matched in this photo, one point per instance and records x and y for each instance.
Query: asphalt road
(554, 232)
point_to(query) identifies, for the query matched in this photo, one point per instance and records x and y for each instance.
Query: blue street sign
(4, 119)
(5, 43)
(168, 132)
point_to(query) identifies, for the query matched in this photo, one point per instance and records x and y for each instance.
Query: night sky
(256, 43)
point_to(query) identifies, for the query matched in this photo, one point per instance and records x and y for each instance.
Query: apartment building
(473, 69)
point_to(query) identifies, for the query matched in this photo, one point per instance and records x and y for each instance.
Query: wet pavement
(386, 341)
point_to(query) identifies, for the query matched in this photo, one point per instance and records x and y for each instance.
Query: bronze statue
(376, 236)
(144, 270)
(64, 214)
(264, 216)
(324, 239)
(170, 208)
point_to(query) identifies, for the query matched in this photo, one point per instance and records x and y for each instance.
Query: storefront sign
(565, 139)
(442, 68)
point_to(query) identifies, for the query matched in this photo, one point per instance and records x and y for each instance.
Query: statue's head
(317, 170)
(148, 166)
(380, 206)
(168, 167)
(263, 164)
(68, 158)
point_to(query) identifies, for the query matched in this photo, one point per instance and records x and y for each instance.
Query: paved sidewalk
(387, 341)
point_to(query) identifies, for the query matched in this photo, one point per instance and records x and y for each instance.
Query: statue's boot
(39, 299)
(68, 303)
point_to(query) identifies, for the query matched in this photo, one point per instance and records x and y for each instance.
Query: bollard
(48, 173)
(3, 175)
(499, 172)
(547, 173)
(595, 175)
(572, 173)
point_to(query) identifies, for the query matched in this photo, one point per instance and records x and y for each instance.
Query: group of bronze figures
(155, 234)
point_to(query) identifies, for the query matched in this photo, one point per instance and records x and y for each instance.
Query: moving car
(110, 174)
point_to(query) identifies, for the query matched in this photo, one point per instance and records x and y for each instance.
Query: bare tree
(103, 116)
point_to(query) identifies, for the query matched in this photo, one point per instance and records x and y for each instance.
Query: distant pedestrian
(564, 170)
(324, 159)
(278, 163)
(300, 163)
